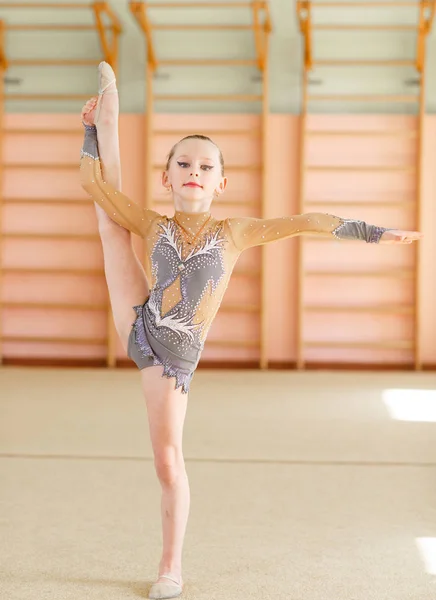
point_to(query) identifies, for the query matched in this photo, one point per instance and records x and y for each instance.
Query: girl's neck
(200, 208)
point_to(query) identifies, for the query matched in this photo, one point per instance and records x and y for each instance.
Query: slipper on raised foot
(106, 77)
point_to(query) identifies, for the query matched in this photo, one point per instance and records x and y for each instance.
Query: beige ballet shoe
(166, 590)
(106, 77)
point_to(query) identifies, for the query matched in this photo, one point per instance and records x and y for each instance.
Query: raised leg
(125, 276)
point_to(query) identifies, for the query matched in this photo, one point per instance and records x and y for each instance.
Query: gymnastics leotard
(187, 280)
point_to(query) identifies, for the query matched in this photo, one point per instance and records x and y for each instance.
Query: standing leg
(166, 409)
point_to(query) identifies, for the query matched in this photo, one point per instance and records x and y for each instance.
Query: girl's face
(194, 173)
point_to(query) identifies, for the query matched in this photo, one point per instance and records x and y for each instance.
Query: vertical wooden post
(264, 200)
(111, 356)
(148, 136)
(303, 10)
(2, 109)
(115, 49)
(420, 65)
(418, 226)
(301, 209)
(420, 39)
(259, 37)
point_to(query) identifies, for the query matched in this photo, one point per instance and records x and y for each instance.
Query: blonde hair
(195, 136)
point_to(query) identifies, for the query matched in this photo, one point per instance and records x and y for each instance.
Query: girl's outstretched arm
(249, 232)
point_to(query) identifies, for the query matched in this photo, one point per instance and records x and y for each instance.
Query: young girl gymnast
(189, 259)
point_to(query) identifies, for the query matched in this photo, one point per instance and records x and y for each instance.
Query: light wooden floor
(304, 487)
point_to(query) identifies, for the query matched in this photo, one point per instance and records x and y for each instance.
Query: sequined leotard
(187, 282)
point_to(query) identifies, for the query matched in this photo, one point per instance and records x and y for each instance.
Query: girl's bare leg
(124, 274)
(166, 409)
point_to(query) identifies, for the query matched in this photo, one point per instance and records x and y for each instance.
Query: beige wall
(283, 150)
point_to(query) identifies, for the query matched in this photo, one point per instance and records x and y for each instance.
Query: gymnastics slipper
(106, 76)
(166, 590)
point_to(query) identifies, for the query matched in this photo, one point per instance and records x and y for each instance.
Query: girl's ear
(222, 186)
(165, 181)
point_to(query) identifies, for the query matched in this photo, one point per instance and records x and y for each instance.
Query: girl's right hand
(398, 236)
(88, 111)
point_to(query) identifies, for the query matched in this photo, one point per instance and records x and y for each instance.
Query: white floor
(304, 486)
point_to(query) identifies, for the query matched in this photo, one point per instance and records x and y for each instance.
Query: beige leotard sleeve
(249, 232)
(117, 205)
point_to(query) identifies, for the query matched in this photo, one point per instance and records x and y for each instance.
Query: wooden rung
(50, 271)
(233, 343)
(198, 5)
(40, 166)
(364, 98)
(53, 305)
(32, 97)
(239, 308)
(226, 167)
(362, 132)
(33, 5)
(52, 27)
(51, 236)
(205, 27)
(182, 133)
(371, 168)
(391, 309)
(361, 203)
(364, 63)
(51, 201)
(239, 272)
(54, 340)
(16, 131)
(201, 62)
(373, 4)
(210, 97)
(397, 345)
(390, 274)
(358, 27)
(53, 63)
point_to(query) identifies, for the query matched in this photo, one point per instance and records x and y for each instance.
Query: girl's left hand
(88, 111)
(398, 236)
